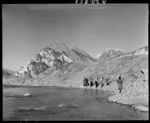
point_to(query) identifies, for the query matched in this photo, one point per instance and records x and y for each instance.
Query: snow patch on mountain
(110, 52)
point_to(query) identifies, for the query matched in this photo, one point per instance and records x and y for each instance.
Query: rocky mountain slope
(56, 55)
(140, 51)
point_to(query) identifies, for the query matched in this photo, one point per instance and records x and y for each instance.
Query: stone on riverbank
(140, 107)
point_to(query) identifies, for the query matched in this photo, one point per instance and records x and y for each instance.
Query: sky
(27, 28)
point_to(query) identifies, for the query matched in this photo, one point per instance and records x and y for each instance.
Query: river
(58, 103)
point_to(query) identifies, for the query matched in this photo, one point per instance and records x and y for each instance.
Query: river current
(58, 103)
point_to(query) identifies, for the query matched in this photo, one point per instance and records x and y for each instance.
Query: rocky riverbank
(139, 100)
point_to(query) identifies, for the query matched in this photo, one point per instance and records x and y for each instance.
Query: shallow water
(57, 103)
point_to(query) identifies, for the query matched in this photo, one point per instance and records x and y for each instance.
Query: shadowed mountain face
(8, 73)
(83, 56)
(39, 67)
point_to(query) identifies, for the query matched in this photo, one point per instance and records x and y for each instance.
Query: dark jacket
(119, 81)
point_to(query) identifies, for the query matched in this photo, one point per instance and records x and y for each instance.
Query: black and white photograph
(75, 62)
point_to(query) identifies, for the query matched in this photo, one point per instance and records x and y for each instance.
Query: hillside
(8, 73)
(140, 51)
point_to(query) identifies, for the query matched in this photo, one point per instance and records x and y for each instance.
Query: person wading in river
(120, 83)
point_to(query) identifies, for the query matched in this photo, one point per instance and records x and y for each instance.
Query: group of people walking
(90, 82)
